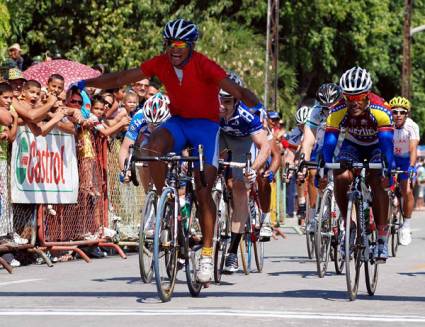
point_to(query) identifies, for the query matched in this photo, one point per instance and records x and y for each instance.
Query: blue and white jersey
(317, 122)
(242, 123)
(137, 125)
(295, 137)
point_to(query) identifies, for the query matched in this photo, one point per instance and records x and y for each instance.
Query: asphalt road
(109, 292)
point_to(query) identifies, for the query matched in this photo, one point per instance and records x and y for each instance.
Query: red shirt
(196, 96)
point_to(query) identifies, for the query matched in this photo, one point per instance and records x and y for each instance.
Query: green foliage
(319, 39)
(4, 28)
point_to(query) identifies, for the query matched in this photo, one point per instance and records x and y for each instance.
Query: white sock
(406, 223)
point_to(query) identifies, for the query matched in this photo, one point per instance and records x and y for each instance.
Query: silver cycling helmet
(302, 115)
(156, 109)
(355, 80)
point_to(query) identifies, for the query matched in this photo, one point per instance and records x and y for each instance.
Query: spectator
(421, 186)
(16, 80)
(55, 84)
(152, 89)
(130, 103)
(30, 97)
(7, 126)
(15, 59)
(141, 88)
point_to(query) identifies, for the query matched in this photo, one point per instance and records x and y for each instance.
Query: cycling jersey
(361, 130)
(196, 95)
(362, 133)
(317, 122)
(402, 136)
(138, 125)
(242, 123)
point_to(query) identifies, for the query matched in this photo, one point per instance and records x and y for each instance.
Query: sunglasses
(108, 104)
(356, 97)
(177, 44)
(80, 102)
(399, 112)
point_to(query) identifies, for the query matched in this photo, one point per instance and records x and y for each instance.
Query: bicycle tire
(165, 246)
(395, 232)
(371, 268)
(243, 247)
(352, 251)
(192, 256)
(221, 235)
(339, 262)
(310, 244)
(322, 237)
(259, 255)
(146, 244)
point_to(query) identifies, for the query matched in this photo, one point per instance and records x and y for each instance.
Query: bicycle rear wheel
(371, 268)
(323, 234)
(352, 249)
(309, 236)
(165, 246)
(222, 232)
(397, 222)
(146, 233)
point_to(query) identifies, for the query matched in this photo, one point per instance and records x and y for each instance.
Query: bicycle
(250, 241)
(176, 237)
(309, 236)
(360, 250)
(222, 199)
(327, 228)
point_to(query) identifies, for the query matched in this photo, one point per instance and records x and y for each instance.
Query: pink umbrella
(72, 71)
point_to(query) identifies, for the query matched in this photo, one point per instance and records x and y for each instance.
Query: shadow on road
(300, 294)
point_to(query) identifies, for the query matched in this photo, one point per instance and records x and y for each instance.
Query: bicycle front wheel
(337, 240)
(397, 222)
(146, 233)
(371, 268)
(352, 249)
(245, 250)
(323, 234)
(259, 255)
(165, 245)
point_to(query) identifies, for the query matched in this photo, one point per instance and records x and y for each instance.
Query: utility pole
(272, 53)
(406, 73)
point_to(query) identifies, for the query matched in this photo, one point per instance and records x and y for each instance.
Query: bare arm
(413, 146)
(123, 154)
(276, 156)
(14, 127)
(240, 93)
(113, 80)
(33, 115)
(308, 142)
(261, 141)
(5, 117)
(67, 127)
(115, 128)
(47, 127)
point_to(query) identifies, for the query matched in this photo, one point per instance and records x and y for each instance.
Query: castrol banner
(44, 168)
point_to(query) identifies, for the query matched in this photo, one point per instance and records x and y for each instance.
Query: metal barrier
(125, 201)
(68, 226)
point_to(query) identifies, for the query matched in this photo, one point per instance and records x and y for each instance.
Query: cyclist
(295, 138)
(369, 135)
(239, 130)
(192, 82)
(327, 95)
(154, 112)
(406, 139)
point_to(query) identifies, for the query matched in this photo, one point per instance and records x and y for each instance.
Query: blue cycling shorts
(402, 164)
(192, 132)
(359, 153)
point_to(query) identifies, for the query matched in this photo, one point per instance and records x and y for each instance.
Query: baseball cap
(273, 115)
(15, 46)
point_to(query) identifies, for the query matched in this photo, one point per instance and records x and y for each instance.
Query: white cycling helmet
(302, 115)
(235, 78)
(355, 80)
(156, 109)
(181, 29)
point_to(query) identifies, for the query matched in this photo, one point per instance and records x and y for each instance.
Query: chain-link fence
(125, 200)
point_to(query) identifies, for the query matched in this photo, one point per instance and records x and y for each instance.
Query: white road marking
(222, 313)
(22, 281)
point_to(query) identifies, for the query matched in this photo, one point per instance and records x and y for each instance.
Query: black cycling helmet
(328, 94)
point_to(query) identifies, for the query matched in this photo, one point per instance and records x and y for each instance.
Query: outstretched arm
(114, 80)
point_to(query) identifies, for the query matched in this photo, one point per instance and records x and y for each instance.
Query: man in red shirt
(192, 82)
